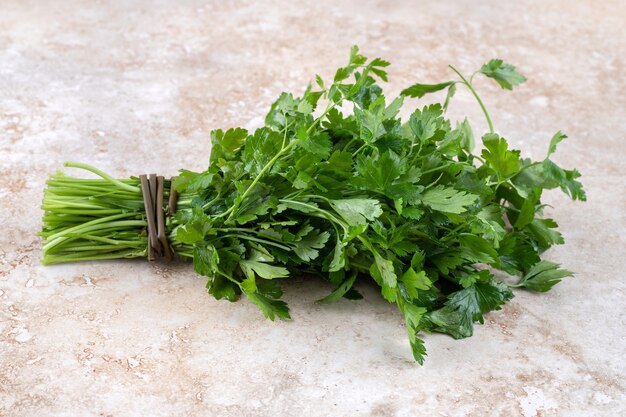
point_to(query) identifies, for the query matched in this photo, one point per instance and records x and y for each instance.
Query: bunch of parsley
(335, 184)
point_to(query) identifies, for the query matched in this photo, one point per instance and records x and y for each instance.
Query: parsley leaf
(447, 199)
(505, 74)
(420, 90)
(543, 276)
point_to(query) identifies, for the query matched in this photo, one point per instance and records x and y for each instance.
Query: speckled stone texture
(134, 87)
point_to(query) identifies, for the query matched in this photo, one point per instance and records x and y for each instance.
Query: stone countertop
(136, 88)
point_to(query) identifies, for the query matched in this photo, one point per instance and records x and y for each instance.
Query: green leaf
(420, 90)
(480, 298)
(340, 291)
(542, 230)
(413, 317)
(527, 212)
(307, 248)
(378, 173)
(224, 145)
(468, 305)
(338, 257)
(205, 259)
(417, 348)
(505, 74)
(305, 107)
(516, 254)
(319, 81)
(467, 280)
(558, 137)
(449, 95)
(258, 203)
(192, 181)
(451, 321)
(355, 57)
(357, 211)
(260, 263)
(565, 179)
(196, 227)
(392, 110)
(379, 62)
(308, 207)
(371, 120)
(414, 281)
(496, 153)
(543, 276)
(221, 288)
(318, 144)
(448, 260)
(425, 123)
(260, 149)
(490, 224)
(265, 299)
(478, 250)
(283, 111)
(447, 199)
(466, 135)
(382, 271)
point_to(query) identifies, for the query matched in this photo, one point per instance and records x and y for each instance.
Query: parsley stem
(92, 256)
(228, 277)
(244, 230)
(428, 171)
(267, 166)
(103, 175)
(480, 102)
(254, 239)
(480, 159)
(323, 212)
(526, 167)
(453, 231)
(271, 163)
(347, 146)
(359, 150)
(331, 105)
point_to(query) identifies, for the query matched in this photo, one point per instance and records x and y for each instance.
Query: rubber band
(152, 189)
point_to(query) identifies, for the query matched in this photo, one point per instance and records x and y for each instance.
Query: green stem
(271, 163)
(61, 236)
(359, 150)
(82, 226)
(480, 102)
(267, 166)
(254, 239)
(526, 167)
(331, 105)
(347, 146)
(323, 212)
(103, 175)
(453, 231)
(55, 259)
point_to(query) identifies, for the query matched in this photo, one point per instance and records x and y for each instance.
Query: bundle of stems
(97, 219)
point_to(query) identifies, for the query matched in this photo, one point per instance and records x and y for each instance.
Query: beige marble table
(135, 87)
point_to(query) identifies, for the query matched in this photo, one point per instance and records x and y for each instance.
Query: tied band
(152, 187)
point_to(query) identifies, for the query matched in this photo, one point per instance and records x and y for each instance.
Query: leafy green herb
(337, 185)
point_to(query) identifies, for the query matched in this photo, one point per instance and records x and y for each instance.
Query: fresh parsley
(335, 184)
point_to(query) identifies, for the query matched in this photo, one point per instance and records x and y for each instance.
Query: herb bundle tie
(152, 187)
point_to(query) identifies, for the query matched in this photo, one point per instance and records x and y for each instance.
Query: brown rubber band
(171, 203)
(161, 221)
(152, 188)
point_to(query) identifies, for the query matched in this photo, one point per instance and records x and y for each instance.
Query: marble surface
(135, 87)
